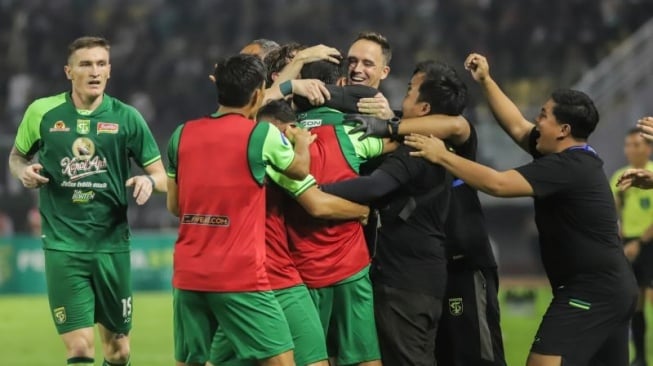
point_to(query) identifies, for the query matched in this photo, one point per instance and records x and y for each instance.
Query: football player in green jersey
(85, 141)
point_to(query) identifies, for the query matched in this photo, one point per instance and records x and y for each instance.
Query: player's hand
(365, 218)
(142, 188)
(299, 136)
(377, 106)
(430, 148)
(31, 178)
(369, 125)
(646, 126)
(212, 76)
(317, 53)
(640, 178)
(477, 65)
(632, 249)
(312, 89)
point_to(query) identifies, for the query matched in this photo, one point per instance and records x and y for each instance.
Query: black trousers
(469, 333)
(406, 323)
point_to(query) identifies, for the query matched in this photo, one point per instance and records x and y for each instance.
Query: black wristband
(151, 180)
(394, 128)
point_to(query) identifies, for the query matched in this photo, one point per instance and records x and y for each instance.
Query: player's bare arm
(299, 168)
(504, 110)
(172, 196)
(501, 184)
(144, 185)
(377, 106)
(307, 55)
(329, 207)
(27, 172)
(312, 89)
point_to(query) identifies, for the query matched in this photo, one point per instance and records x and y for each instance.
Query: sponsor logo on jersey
(85, 162)
(210, 220)
(80, 196)
(107, 127)
(59, 126)
(83, 126)
(310, 123)
(59, 315)
(83, 148)
(456, 306)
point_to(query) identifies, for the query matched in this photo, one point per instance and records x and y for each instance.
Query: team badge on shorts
(456, 306)
(60, 315)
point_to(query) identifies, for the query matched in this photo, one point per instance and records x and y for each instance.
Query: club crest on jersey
(107, 127)
(59, 126)
(456, 306)
(83, 126)
(60, 315)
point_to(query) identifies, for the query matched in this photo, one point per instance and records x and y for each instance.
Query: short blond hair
(87, 42)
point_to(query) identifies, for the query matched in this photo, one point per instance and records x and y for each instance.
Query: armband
(151, 180)
(286, 87)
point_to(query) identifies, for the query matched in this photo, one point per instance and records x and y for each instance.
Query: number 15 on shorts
(127, 308)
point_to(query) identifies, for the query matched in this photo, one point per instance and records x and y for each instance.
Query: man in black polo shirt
(469, 332)
(594, 290)
(409, 268)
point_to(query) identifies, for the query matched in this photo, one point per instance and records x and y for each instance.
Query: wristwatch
(394, 127)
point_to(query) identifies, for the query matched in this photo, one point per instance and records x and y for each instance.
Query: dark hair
(236, 79)
(576, 109)
(441, 88)
(379, 39)
(325, 71)
(277, 109)
(278, 58)
(637, 131)
(87, 42)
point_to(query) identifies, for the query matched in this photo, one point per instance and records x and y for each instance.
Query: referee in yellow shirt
(635, 208)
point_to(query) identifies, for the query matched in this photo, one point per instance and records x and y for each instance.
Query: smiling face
(367, 65)
(88, 70)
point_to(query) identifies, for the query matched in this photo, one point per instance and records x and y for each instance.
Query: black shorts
(643, 265)
(406, 323)
(588, 327)
(469, 333)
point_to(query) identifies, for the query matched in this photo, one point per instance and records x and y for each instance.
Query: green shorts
(89, 288)
(347, 315)
(305, 327)
(253, 323)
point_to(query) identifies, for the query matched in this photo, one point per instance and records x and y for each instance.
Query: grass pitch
(28, 336)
